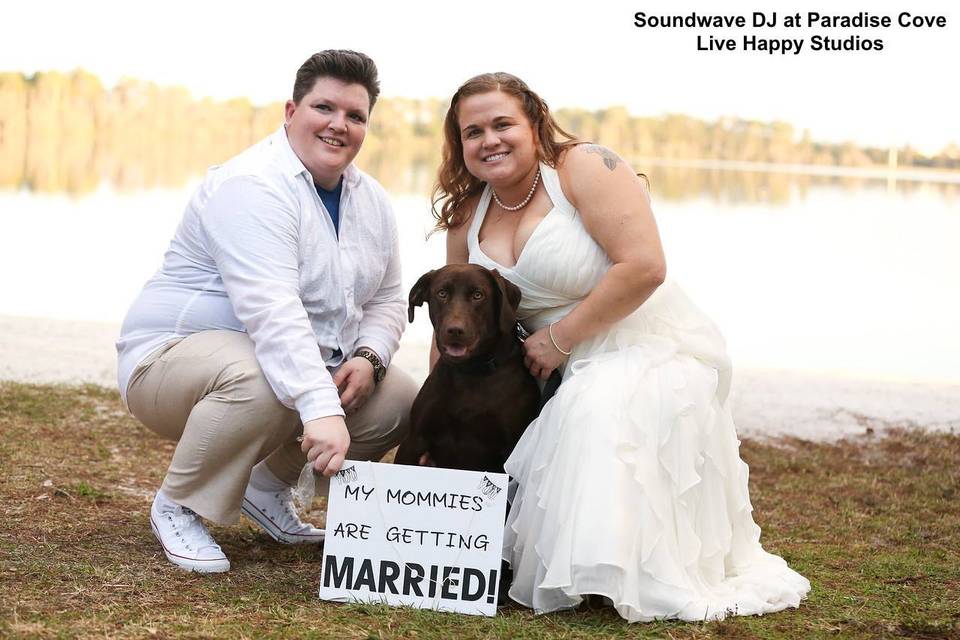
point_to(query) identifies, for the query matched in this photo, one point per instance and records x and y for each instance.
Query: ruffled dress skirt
(630, 485)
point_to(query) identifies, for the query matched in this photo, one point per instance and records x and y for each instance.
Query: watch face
(379, 371)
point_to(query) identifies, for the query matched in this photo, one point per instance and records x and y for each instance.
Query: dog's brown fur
(479, 398)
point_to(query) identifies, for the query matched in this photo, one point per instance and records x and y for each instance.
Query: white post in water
(892, 170)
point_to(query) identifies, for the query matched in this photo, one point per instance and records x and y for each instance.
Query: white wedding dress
(630, 484)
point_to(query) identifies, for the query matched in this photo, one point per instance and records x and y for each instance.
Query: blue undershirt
(331, 202)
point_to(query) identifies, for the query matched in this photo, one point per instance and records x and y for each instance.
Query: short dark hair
(344, 65)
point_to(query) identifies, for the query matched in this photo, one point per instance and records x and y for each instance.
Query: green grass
(874, 523)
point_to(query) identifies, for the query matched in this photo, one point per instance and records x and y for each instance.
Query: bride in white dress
(629, 485)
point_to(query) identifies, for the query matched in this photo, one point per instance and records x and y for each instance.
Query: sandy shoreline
(764, 403)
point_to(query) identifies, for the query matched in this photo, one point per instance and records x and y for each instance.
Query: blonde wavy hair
(455, 185)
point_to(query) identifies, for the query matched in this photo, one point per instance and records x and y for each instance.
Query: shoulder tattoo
(610, 159)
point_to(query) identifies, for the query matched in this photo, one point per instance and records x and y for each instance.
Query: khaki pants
(208, 393)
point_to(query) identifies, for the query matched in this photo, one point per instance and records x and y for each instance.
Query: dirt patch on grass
(874, 523)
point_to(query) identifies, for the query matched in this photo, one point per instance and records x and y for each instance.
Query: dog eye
(477, 295)
(442, 294)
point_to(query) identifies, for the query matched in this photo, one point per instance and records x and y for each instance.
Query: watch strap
(368, 354)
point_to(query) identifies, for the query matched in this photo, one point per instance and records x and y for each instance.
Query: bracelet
(554, 341)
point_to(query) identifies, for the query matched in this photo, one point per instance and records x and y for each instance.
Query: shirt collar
(293, 166)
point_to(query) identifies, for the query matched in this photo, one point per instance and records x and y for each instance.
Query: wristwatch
(379, 371)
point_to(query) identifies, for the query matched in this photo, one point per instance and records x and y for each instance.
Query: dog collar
(521, 333)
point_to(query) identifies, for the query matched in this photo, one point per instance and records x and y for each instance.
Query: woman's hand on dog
(539, 354)
(325, 441)
(354, 380)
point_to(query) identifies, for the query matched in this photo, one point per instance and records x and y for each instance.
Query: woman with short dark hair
(264, 340)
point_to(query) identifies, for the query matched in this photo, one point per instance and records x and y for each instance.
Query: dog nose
(454, 331)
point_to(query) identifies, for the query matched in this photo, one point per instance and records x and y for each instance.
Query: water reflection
(129, 167)
(827, 278)
(729, 185)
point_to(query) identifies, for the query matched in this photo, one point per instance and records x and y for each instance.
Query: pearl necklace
(536, 179)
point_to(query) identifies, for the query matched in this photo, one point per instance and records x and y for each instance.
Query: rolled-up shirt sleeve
(384, 315)
(253, 234)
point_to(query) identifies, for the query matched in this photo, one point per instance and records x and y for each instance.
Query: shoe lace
(188, 527)
(287, 511)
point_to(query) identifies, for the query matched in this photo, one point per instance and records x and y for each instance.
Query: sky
(574, 54)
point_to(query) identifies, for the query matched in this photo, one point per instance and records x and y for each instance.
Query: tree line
(67, 132)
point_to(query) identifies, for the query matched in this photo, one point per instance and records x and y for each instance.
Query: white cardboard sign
(414, 536)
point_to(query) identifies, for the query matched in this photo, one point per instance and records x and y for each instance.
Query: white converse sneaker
(274, 513)
(184, 538)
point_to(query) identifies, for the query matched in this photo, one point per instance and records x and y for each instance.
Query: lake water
(859, 280)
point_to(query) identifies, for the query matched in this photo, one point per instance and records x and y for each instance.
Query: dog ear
(509, 302)
(419, 293)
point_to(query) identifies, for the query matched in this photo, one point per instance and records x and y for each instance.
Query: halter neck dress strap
(473, 233)
(551, 182)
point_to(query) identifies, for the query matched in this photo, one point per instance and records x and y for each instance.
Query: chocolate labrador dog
(479, 398)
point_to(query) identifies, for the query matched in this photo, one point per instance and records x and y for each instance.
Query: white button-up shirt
(256, 251)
